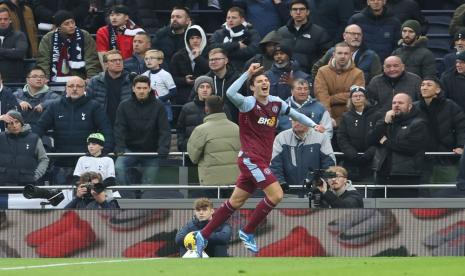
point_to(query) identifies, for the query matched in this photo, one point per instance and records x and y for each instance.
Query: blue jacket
(135, 64)
(283, 90)
(293, 157)
(380, 33)
(72, 122)
(7, 103)
(217, 242)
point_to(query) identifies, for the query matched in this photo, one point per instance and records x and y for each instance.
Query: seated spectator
(45, 9)
(453, 81)
(22, 20)
(112, 86)
(365, 59)
(7, 102)
(394, 80)
(192, 113)
(67, 51)
(265, 57)
(13, 49)
(72, 118)
(333, 82)
(23, 158)
(90, 194)
(298, 151)
(189, 63)
(418, 59)
(96, 161)
(141, 12)
(338, 192)
(219, 240)
(459, 46)
(141, 126)
(237, 38)
(311, 107)
(118, 34)
(161, 81)
(140, 45)
(35, 96)
(283, 71)
(214, 146)
(352, 133)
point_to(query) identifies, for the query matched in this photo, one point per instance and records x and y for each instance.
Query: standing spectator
(13, 49)
(265, 57)
(338, 192)
(141, 126)
(35, 96)
(161, 81)
(170, 39)
(400, 154)
(189, 63)
(380, 27)
(417, 58)
(219, 240)
(283, 71)
(23, 21)
(331, 15)
(140, 45)
(72, 118)
(352, 133)
(24, 160)
(333, 82)
(214, 146)
(67, 51)
(7, 102)
(365, 59)
(453, 81)
(118, 34)
(302, 100)
(310, 41)
(112, 86)
(450, 59)
(277, 14)
(394, 80)
(45, 9)
(237, 37)
(298, 151)
(193, 112)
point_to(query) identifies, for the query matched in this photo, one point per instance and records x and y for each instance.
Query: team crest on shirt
(271, 122)
(267, 171)
(275, 109)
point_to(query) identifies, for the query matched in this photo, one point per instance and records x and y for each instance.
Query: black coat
(45, 9)
(453, 86)
(446, 123)
(349, 199)
(168, 42)
(403, 153)
(12, 53)
(192, 114)
(142, 126)
(7, 103)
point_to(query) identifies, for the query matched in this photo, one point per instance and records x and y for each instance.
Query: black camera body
(53, 196)
(314, 180)
(97, 187)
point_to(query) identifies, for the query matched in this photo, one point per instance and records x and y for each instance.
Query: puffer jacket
(192, 114)
(417, 58)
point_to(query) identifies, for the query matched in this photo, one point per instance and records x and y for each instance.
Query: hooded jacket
(418, 59)
(263, 58)
(283, 90)
(183, 64)
(44, 97)
(332, 86)
(24, 159)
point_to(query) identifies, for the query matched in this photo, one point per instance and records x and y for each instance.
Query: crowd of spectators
(134, 70)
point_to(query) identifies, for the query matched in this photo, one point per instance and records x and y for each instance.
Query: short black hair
(35, 68)
(186, 9)
(303, 2)
(141, 78)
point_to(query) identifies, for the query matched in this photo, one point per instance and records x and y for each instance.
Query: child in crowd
(161, 81)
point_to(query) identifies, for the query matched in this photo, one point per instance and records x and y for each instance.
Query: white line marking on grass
(77, 263)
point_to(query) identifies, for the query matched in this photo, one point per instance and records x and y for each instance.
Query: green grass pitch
(333, 266)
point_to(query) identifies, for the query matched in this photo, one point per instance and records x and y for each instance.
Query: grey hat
(414, 25)
(202, 79)
(16, 115)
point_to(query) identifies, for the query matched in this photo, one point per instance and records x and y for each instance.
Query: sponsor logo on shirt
(271, 122)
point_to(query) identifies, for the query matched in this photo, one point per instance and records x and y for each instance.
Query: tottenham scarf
(234, 32)
(132, 30)
(75, 50)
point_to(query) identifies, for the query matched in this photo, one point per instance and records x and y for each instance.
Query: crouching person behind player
(219, 239)
(339, 192)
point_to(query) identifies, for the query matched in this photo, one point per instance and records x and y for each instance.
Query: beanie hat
(192, 32)
(61, 16)
(202, 79)
(461, 56)
(460, 34)
(283, 48)
(119, 9)
(16, 115)
(414, 25)
(96, 138)
(356, 88)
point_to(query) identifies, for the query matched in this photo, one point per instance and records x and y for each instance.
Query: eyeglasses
(354, 34)
(215, 59)
(115, 60)
(36, 77)
(298, 9)
(75, 86)
(153, 58)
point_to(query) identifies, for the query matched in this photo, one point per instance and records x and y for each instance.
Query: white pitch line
(80, 263)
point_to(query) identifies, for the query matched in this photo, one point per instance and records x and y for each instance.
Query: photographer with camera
(336, 190)
(90, 194)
